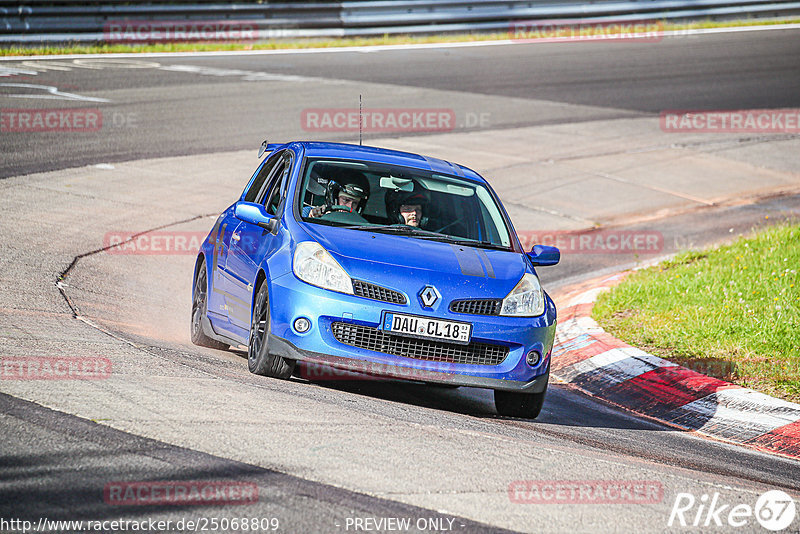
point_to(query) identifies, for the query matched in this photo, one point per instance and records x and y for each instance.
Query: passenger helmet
(395, 199)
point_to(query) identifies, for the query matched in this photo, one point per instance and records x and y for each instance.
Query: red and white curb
(588, 358)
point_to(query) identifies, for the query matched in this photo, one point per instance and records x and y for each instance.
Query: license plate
(416, 326)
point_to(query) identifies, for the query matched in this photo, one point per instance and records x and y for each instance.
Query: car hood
(407, 263)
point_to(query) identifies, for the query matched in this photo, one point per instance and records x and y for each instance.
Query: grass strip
(732, 312)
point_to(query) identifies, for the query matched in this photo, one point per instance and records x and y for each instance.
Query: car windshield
(386, 198)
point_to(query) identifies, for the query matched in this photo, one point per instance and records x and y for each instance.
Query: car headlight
(526, 299)
(314, 265)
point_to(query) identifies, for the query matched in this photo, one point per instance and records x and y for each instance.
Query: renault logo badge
(428, 296)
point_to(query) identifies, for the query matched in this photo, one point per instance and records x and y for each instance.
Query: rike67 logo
(774, 510)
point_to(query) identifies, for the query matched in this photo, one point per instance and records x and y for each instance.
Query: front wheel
(259, 360)
(524, 405)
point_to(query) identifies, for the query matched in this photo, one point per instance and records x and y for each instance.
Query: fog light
(302, 325)
(533, 358)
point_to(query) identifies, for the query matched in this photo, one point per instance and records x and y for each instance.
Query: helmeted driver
(346, 191)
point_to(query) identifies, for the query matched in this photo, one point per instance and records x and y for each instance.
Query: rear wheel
(199, 311)
(259, 360)
(525, 405)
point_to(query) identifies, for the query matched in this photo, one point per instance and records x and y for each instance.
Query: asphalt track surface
(156, 112)
(321, 453)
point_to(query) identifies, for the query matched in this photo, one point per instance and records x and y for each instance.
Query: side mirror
(544, 255)
(255, 214)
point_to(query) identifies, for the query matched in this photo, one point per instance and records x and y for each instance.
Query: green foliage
(737, 305)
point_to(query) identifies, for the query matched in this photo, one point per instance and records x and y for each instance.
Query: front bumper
(291, 299)
(285, 349)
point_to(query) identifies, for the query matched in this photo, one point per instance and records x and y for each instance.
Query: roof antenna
(359, 119)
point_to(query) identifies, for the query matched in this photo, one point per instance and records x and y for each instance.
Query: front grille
(371, 338)
(375, 292)
(477, 306)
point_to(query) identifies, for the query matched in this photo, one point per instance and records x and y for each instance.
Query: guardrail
(87, 21)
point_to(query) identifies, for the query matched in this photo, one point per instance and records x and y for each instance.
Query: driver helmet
(352, 183)
(395, 199)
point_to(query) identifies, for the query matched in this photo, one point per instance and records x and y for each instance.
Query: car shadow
(563, 406)
(566, 405)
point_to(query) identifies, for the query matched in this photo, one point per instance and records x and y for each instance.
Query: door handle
(235, 237)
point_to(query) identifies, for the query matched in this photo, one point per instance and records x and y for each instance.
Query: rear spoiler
(267, 148)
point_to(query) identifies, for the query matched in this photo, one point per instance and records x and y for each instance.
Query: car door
(251, 243)
(221, 237)
(219, 302)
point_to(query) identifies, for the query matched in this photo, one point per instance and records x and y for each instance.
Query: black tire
(259, 360)
(199, 310)
(524, 405)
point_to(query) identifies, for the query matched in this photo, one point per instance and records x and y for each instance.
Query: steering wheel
(337, 207)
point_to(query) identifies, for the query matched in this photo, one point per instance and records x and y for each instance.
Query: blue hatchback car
(381, 263)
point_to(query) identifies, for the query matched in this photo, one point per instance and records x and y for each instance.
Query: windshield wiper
(465, 241)
(395, 228)
(429, 235)
(372, 226)
(433, 236)
(484, 244)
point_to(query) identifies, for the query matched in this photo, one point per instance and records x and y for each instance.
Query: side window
(252, 194)
(279, 180)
